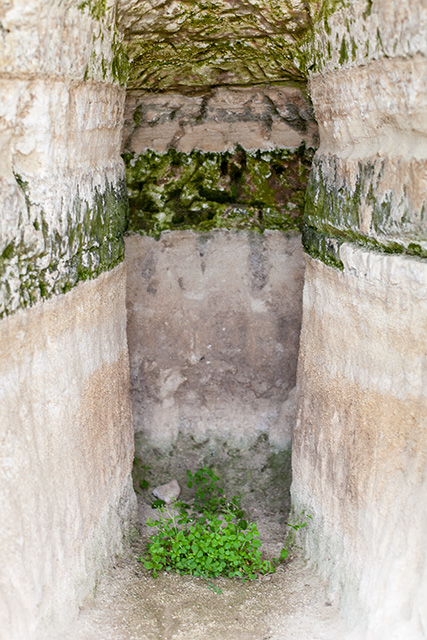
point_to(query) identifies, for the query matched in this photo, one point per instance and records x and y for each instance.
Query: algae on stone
(231, 190)
(334, 209)
(54, 262)
(183, 43)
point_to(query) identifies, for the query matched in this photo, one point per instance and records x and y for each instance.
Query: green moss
(332, 214)
(380, 46)
(171, 64)
(368, 9)
(343, 52)
(203, 191)
(96, 8)
(120, 65)
(321, 247)
(340, 205)
(92, 243)
(353, 49)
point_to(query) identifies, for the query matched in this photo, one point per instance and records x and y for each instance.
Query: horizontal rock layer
(260, 117)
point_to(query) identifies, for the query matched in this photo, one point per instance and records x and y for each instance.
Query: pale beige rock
(359, 449)
(168, 492)
(58, 39)
(66, 453)
(213, 330)
(259, 117)
(371, 31)
(378, 109)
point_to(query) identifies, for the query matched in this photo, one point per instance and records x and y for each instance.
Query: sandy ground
(289, 605)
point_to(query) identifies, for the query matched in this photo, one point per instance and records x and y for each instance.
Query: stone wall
(66, 454)
(65, 426)
(218, 141)
(213, 329)
(219, 132)
(359, 455)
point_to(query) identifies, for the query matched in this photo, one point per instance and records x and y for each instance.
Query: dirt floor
(289, 605)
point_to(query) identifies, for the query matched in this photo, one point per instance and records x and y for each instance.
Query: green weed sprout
(210, 537)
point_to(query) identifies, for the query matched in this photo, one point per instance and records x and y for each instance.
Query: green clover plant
(208, 537)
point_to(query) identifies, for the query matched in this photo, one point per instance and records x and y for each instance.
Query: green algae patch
(96, 8)
(322, 247)
(172, 65)
(55, 261)
(184, 43)
(229, 190)
(335, 209)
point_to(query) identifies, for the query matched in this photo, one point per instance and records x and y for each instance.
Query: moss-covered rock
(361, 209)
(202, 191)
(185, 43)
(54, 263)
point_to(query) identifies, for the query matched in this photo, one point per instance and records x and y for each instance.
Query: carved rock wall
(63, 194)
(212, 81)
(359, 453)
(65, 425)
(213, 329)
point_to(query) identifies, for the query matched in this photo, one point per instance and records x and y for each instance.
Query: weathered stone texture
(228, 158)
(368, 182)
(66, 453)
(360, 442)
(184, 43)
(261, 117)
(359, 453)
(63, 198)
(77, 39)
(65, 424)
(63, 194)
(213, 330)
(369, 174)
(353, 33)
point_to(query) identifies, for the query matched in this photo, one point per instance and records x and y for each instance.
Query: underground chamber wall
(213, 333)
(217, 164)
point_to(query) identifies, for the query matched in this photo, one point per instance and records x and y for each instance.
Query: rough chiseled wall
(368, 181)
(359, 452)
(211, 86)
(181, 44)
(65, 427)
(63, 193)
(213, 326)
(218, 141)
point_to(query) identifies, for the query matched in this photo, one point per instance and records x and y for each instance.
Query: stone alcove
(359, 444)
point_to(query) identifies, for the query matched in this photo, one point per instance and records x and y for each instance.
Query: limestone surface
(66, 454)
(359, 448)
(213, 330)
(62, 191)
(167, 492)
(260, 117)
(369, 175)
